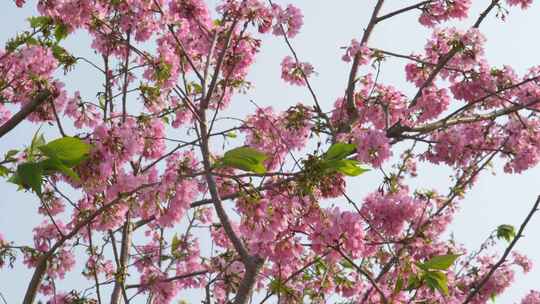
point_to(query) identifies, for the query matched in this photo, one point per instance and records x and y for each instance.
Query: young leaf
(399, 285)
(231, 134)
(437, 280)
(339, 151)
(70, 151)
(39, 21)
(11, 153)
(3, 171)
(348, 167)
(60, 31)
(174, 245)
(51, 165)
(245, 158)
(441, 262)
(507, 232)
(29, 176)
(413, 283)
(37, 141)
(278, 286)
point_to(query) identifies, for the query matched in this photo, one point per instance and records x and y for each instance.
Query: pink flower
(523, 145)
(501, 279)
(294, 73)
(442, 10)
(372, 147)
(278, 134)
(431, 104)
(5, 114)
(3, 243)
(288, 21)
(356, 49)
(522, 261)
(387, 213)
(533, 297)
(84, 114)
(339, 227)
(154, 281)
(523, 3)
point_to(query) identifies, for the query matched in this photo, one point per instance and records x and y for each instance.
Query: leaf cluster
(43, 159)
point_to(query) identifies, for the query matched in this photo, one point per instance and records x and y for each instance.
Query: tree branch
(446, 58)
(477, 288)
(356, 61)
(403, 10)
(175, 278)
(119, 288)
(24, 112)
(41, 268)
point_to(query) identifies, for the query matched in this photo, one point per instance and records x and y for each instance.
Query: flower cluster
(278, 134)
(288, 20)
(295, 73)
(435, 12)
(154, 207)
(533, 297)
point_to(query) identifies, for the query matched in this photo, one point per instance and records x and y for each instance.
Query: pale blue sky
(329, 25)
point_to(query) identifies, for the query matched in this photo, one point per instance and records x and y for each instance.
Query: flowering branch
(351, 109)
(476, 287)
(40, 270)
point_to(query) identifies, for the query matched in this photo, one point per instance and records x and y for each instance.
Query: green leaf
(346, 264)
(15, 179)
(507, 232)
(277, 286)
(244, 158)
(441, 262)
(197, 88)
(39, 21)
(163, 71)
(51, 165)
(166, 119)
(231, 134)
(4, 171)
(37, 141)
(60, 31)
(399, 285)
(339, 151)
(414, 282)
(348, 167)
(29, 176)
(176, 242)
(437, 280)
(11, 153)
(70, 151)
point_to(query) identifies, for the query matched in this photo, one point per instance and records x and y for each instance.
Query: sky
(498, 198)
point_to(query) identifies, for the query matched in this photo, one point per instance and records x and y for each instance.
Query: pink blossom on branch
(533, 297)
(295, 73)
(162, 200)
(523, 3)
(288, 20)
